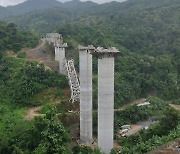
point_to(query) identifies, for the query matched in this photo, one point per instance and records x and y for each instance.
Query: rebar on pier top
(87, 48)
(101, 52)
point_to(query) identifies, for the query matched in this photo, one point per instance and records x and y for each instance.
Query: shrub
(21, 54)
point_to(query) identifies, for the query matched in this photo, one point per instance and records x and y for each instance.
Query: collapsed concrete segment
(57, 40)
(85, 59)
(105, 97)
(53, 37)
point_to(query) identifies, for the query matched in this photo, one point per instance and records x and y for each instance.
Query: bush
(46, 108)
(21, 54)
(176, 101)
(85, 150)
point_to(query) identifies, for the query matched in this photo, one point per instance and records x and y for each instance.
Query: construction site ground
(43, 53)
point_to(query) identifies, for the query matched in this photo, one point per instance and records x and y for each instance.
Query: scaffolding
(73, 80)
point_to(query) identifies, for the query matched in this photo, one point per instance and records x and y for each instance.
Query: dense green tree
(13, 38)
(27, 78)
(44, 135)
(53, 136)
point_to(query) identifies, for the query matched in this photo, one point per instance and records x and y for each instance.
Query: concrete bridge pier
(105, 98)
(56, 53)
(61, 57)
(85, 59)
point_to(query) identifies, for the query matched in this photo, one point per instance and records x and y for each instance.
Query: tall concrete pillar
(105, 98)
(56, 53)
(61, 57)
(85, 60)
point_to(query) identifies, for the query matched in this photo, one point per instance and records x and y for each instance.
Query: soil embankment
(43, 53)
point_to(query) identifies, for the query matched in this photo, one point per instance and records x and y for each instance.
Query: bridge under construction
(81, 88)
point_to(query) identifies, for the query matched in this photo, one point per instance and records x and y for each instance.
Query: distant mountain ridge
(31, 5)
(4, 12)
(78, 4)
(34, 5)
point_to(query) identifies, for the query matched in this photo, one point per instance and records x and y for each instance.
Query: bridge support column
(56, 53)
(85, 60)
(61, 60)
(61, 57)
(105, 98)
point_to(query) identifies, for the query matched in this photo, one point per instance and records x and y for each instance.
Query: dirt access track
(33, 112)
(43, 53)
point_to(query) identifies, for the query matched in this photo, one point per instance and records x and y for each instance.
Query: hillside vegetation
(20, 82)
(147, 34)
(144, 26)
(36, 5)
(13, 38)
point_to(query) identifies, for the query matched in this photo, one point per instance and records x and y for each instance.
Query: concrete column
(105, 98)
(105, 103)
(85, 60)
(61, 57)
(56, 53)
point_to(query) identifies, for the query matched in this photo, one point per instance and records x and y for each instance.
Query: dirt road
(176, 107)
(137, 101)
(43, 54)
(32, 113)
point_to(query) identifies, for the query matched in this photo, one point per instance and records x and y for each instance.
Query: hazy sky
(14, 2)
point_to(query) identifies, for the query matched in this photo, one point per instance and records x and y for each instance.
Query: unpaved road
(137, 101)
(42, 54)
(140, 125)
(37, 53)
(32, 113)
(176, 107)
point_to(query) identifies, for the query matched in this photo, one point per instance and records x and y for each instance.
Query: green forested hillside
(3, 12)
(39, 5)
(20, 81)
(13, 38)
(145, 26)
(147, 32)
(42, 21)
(32, 5)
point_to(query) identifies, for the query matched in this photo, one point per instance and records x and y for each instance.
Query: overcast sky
(14, 2)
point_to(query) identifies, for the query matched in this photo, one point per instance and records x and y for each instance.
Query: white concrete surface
(61, 59)
(105, 103)
(85, 59)
(56, 53)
